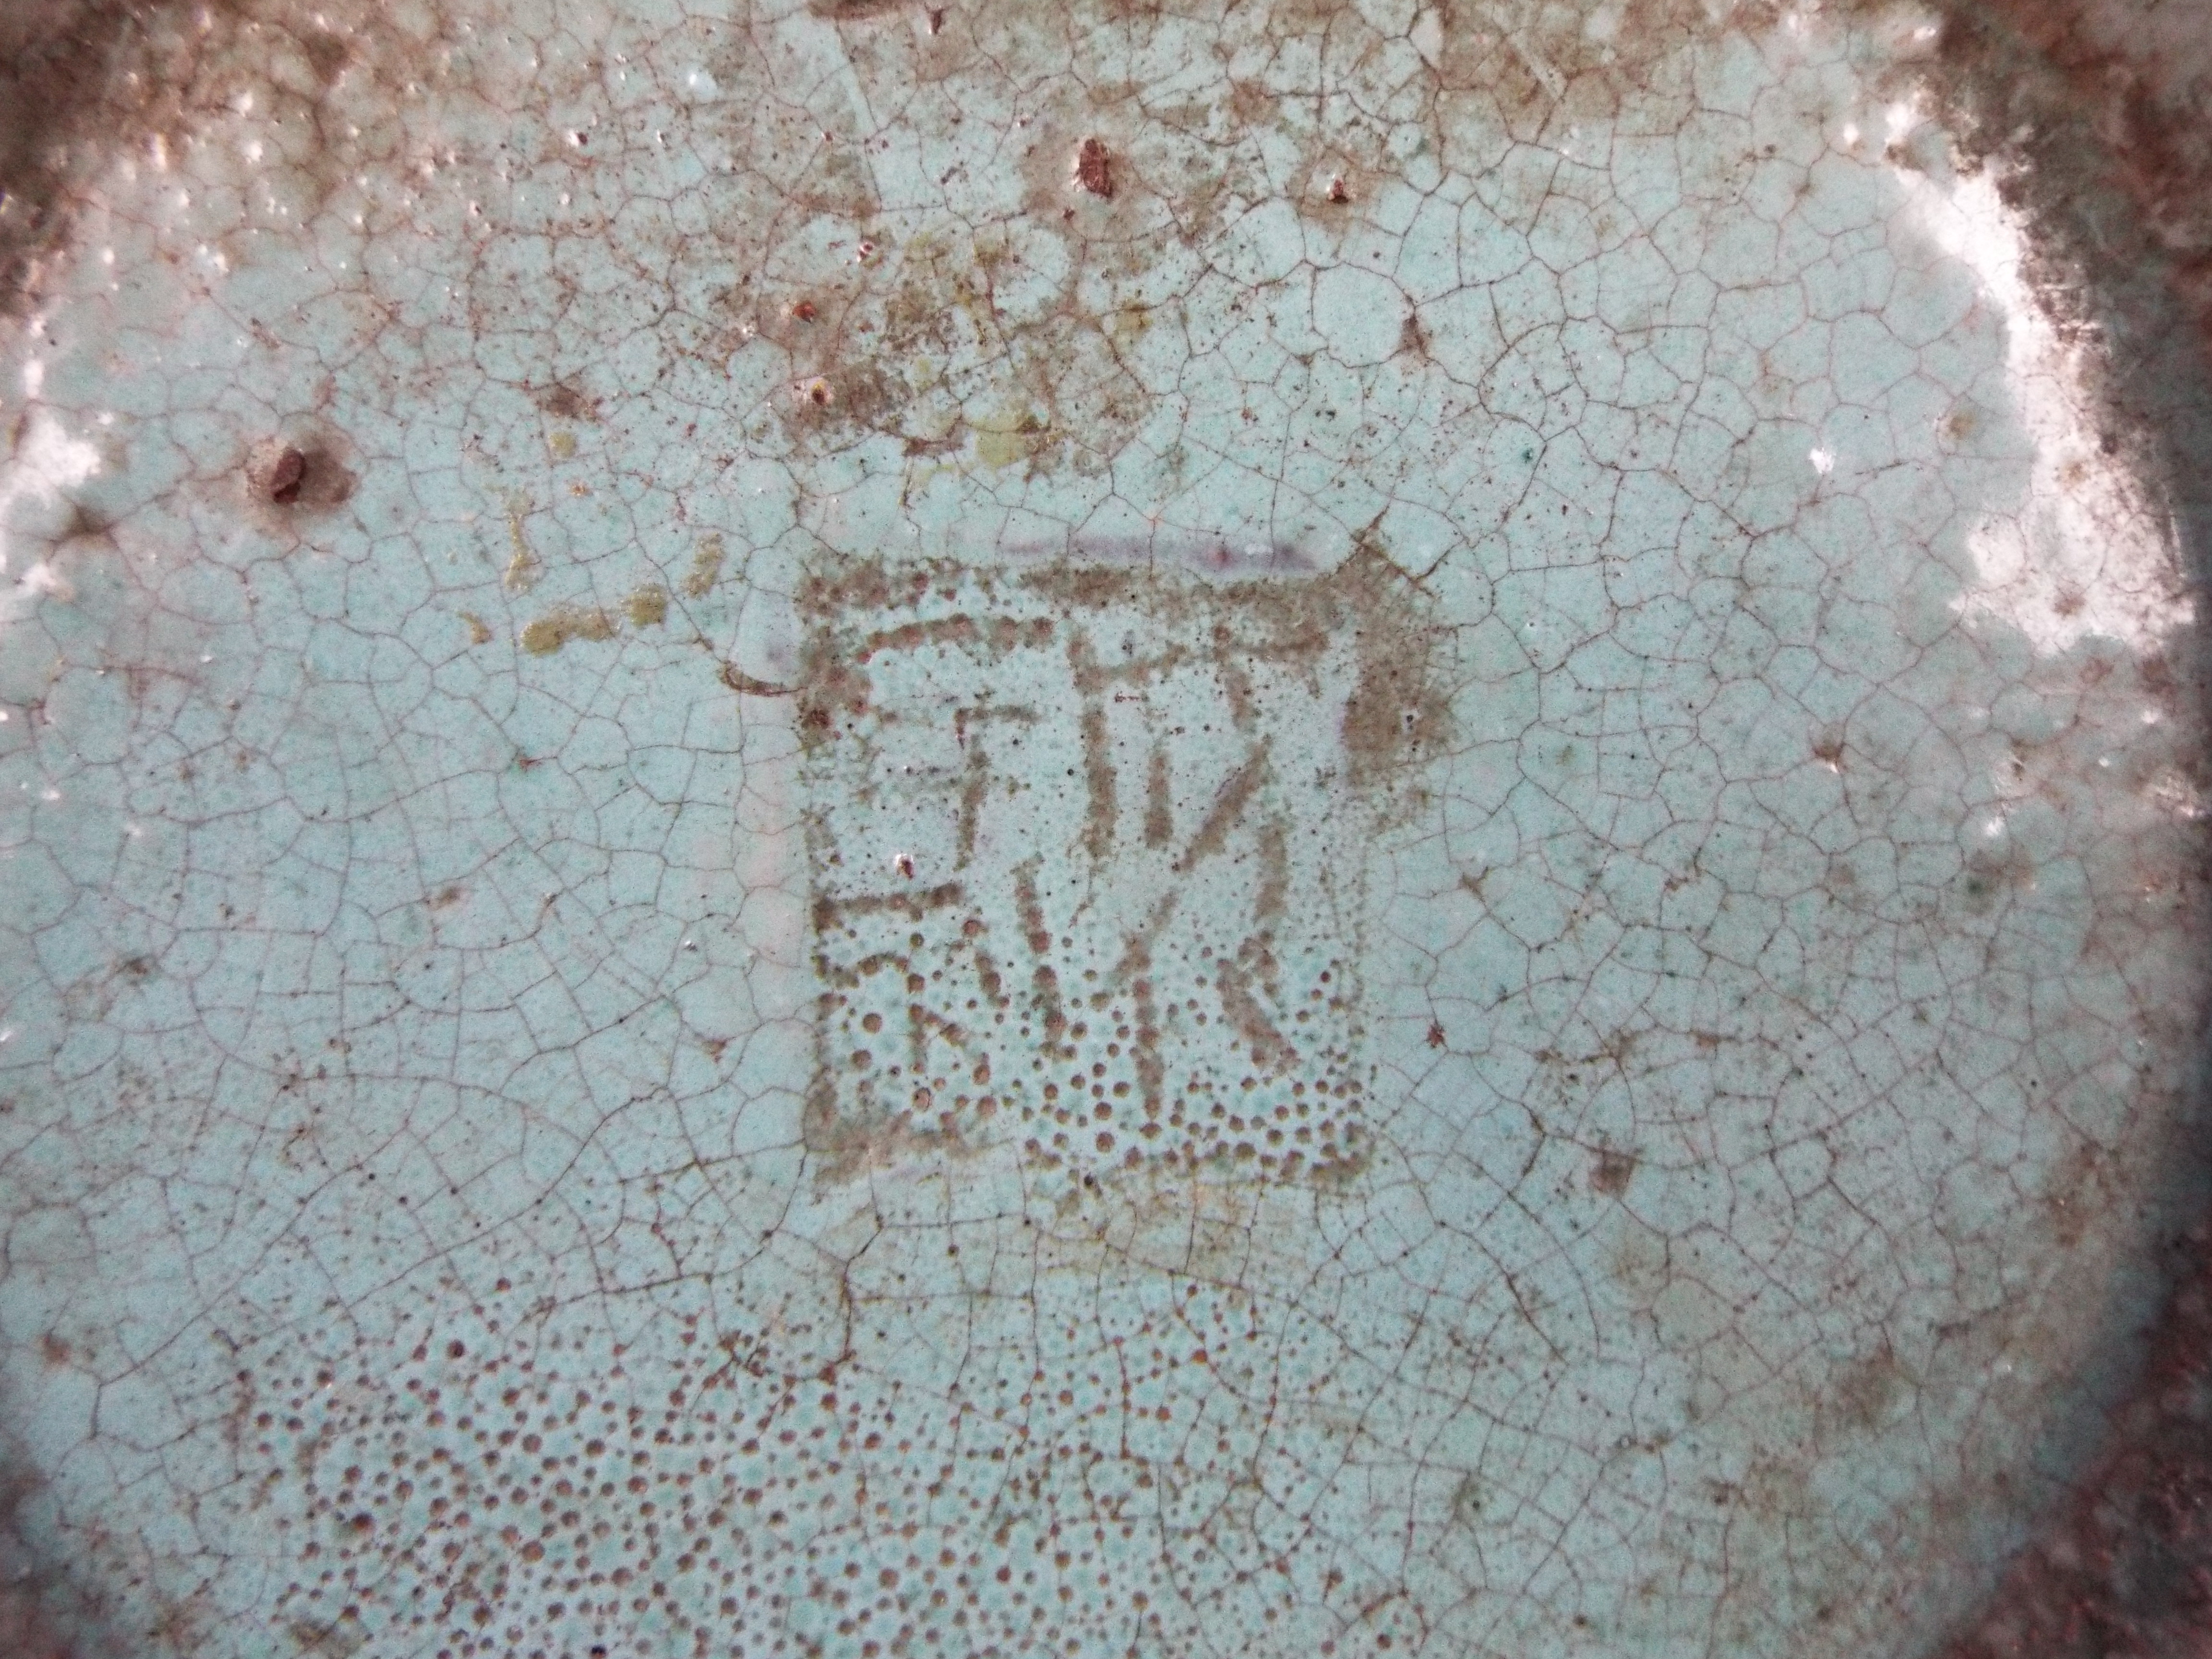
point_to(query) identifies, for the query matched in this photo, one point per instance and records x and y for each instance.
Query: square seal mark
(1088, 849)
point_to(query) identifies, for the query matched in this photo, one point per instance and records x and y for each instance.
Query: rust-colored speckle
(301, 475)
(1094, 168)
(287, 475)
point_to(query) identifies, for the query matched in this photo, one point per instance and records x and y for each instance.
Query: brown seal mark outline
(1248, 623)
(2144, 1540)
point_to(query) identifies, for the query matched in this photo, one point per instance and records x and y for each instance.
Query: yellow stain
(523, 567)
(1003, 440)
(564, 623)
(706, 565)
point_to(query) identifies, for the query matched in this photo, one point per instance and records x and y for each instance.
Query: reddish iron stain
(287, 475)
(1094, 170)
(304, 474)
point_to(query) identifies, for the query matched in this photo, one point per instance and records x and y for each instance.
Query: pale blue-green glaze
(1400, 873)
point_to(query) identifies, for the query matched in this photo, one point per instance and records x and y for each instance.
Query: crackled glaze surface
(888, 831)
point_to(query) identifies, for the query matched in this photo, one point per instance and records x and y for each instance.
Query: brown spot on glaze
(1868, 1388)
(286, 474)
(1611, 1172)
(301, 474)
(1094, 170)
(328, 54)
(648, 607)
(565, 401)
